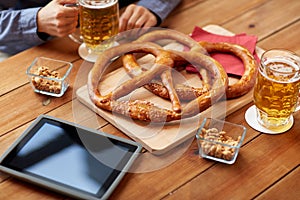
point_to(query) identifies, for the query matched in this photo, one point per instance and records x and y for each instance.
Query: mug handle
(75, 36)
(298, 104)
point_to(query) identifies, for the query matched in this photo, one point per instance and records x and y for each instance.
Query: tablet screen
(70, 156)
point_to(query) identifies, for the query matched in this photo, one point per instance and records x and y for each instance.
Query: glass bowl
(219, 140)
(48, 76)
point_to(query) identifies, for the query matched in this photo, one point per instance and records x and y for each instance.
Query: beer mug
(276, 91)
(99, 23)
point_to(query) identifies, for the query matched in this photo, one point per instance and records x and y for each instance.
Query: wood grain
(209, 12)
(261, 22)
(289, 34)
(267, 166)
(286, 188)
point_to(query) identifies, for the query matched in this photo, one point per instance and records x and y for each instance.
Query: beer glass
(99, 22)
(276, 91)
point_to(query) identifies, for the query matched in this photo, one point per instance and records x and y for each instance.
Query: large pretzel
(243, 86)
(165, 60)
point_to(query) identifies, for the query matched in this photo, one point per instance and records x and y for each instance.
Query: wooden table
(267, 166)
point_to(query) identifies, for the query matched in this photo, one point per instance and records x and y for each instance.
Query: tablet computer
(69, 158)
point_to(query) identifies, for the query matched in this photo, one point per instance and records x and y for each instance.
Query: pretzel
(143, 110)
(241, 87)
(246, 82)
(183, 92)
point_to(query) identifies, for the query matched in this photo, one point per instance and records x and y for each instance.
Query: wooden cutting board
(159, 138)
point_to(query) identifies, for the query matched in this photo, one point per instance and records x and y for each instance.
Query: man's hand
(136, 16)
(57, 20)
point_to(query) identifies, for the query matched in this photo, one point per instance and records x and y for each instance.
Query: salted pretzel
(243, 86)
(164, 61)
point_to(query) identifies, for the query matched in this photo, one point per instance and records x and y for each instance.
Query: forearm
(16, 26)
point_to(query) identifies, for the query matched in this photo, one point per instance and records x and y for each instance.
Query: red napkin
(232, 64)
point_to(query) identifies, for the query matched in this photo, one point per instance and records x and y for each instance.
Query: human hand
(57, 20)
(136, 16)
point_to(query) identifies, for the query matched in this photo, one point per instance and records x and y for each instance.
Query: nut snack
(47, 85)
(49, 76)
(216, 147)
(220, 140)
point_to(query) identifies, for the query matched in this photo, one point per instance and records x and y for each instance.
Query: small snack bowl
(48, 76)
(220, 140)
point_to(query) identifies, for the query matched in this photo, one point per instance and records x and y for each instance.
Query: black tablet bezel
(133, 147)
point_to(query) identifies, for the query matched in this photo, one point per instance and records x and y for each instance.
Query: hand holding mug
(56, 19)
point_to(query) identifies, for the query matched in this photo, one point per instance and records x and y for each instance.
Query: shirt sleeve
(161, 8)
(18, 30)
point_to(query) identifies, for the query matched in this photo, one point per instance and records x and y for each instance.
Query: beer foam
(281, 70)
(98, 4)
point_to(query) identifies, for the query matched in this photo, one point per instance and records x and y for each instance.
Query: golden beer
(276, 91)
(99, 22)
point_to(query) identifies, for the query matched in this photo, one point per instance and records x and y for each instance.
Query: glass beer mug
(99, 22)
(276, 91)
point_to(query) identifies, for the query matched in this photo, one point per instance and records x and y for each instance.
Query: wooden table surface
(267, 166)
